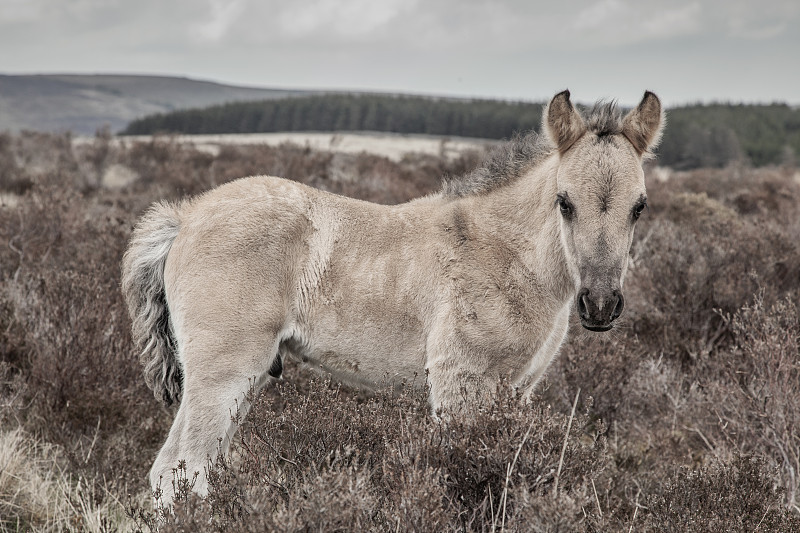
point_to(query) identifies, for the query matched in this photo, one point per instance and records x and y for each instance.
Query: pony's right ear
(562, 122)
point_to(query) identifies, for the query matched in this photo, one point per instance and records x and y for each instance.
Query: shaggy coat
(454, 291)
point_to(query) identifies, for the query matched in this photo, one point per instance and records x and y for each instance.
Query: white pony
(465, 287)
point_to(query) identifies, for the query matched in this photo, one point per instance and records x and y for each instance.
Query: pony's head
(600, 195)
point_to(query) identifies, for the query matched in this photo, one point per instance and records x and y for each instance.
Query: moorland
(687, 415)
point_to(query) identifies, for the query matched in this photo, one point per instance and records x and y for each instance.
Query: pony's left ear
(644, 124)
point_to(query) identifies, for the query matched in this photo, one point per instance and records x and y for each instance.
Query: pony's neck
(523, 214)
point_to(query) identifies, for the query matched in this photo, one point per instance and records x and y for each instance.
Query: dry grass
(688, 417)
(37, 491)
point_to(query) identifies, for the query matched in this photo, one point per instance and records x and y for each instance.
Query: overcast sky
(686, 51)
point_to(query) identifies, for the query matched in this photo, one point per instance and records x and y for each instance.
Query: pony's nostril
(583, 310)
(620, 305)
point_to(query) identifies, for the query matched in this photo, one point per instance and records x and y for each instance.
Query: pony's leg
(458, 377)
(217, 379)
(457, 390)
(544, 356)
(166, 463)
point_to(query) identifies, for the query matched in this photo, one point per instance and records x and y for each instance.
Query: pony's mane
(605, 118)
(508, 161)
(502, 165)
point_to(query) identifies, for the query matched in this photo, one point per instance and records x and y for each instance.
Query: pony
(467, 287)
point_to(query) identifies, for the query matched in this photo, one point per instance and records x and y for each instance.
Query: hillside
(487, 119)
(697, 136)
(84, 103)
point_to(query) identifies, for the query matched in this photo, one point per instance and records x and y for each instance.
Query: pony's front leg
(459, 379)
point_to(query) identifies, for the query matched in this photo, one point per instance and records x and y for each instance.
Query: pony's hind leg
(217, 379)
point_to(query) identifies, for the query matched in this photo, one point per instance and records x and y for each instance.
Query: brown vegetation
(688, 416)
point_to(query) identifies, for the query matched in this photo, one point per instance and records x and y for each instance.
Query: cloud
(599, 15)
(672, 22)
(761, 33)
(758, 20)
(16, 11)
(615, 23)
(223, 15)
(509, 48)
(344, 19)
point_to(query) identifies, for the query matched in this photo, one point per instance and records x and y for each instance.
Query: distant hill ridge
(487, 119)
(84, 103)
(701, 135)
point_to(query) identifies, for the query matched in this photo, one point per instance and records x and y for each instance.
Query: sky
(685, 51)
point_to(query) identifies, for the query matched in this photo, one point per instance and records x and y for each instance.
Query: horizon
(357, 91)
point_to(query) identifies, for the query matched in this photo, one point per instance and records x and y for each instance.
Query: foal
(468, 286)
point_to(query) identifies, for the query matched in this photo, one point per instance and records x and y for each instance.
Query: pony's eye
(565, 206)
(637, 211)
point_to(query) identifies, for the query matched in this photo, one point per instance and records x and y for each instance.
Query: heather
(684, 418)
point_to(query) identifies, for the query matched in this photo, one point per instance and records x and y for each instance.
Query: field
(686, 417)
(393, 146)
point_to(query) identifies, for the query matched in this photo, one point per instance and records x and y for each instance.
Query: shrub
(688, 410)
(327, 459)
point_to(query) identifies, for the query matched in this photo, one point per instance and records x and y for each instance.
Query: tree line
(343, 112)
(702, 135)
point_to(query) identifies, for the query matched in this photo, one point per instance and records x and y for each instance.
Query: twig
(282, 458)
(635, 511)
(94, 440)
(14, 248)
(596, 499)
(249, 450)
(566, 438)
(705, 440)
(491, 507)
(762, 518)
(509, 470)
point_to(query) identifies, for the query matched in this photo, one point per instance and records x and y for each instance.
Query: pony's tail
(143, 288)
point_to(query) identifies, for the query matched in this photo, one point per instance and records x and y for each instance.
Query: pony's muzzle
(598, 311)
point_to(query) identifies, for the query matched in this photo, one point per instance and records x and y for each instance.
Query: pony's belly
(372, 354)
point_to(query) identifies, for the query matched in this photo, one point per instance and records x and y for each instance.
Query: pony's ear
(644, 124)
(562, 122)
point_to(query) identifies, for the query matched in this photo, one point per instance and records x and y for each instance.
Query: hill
(715, 135)
(487, 119)
(697, 136)
(84, 103)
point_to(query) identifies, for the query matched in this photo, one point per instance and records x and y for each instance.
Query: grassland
(687, 415)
